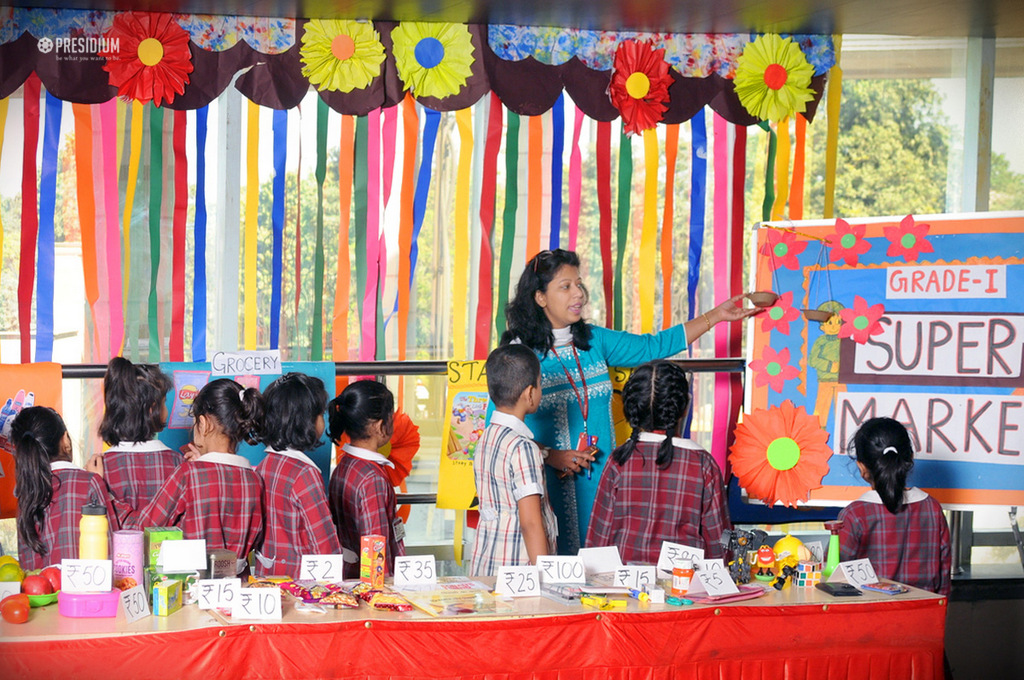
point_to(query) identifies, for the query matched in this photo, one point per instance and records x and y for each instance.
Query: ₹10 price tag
(561, 569)
(717, 581)
(415, 570)
(328, 568)
(857, 572)
(85, 576)
(258, 603)
(636, 577)
(673, 552)
(134, 604)
(217, 593)
(523, 581)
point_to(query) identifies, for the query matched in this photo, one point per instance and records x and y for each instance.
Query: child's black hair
(293, 403)
(239, 411)
(883, 446)
(37, 433)
(656, 397)
(510, 370)
(526, 319)
(133, 399)
(358, 405)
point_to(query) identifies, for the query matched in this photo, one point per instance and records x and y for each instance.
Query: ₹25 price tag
(328, 568)
(217, 593)
(637, 577)
(134, 604)
(415, 570)
(85, 576)
(523, 581)
(856, 572)
(673, 552)
(561, 569)
(258, 603)
(717, 582)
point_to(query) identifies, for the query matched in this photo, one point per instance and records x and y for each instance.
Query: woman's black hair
(656, 397)
(239, 411)
(37, 433)
(133, 399)
(883, 446)
(526, 320)
(359, 405)
(293, 403)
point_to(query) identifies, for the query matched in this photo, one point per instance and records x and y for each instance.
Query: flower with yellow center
(151, 61)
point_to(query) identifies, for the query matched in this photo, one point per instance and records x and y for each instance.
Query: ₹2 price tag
(522, 581)
(856, 572)
(327, 568)
(717, 582)
(561, 569)
(85, 576)
(415, 570)
(637, 577)
(673, 552)
(134, 604)
(258, 603)
(217, 593)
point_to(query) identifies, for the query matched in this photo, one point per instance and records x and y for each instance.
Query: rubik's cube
(808, 574)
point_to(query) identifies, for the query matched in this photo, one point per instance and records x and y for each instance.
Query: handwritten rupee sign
(717, 581)
(464, 419)
(561, 569)
(217, 593)
(855, 572)
(522, 581)
(134, 604)
(674, 552)
(85, 576)
(326, 568)
(415, 570)
(632, 576)
(258, 603)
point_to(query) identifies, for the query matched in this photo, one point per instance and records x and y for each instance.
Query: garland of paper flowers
(340, 55)
(773, 78)
(151, 60)
(639, 85)
(433, 59)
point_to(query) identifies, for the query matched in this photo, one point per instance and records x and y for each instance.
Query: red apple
(52, 574)
(36, 585)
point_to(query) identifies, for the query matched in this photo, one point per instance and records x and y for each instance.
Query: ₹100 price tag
(217, 593)
(561, 569)
(636, 577)
(135, 604)
(328, 568)
(85, 576)
(258, 603)
(415, 570)
(521, 581)
(856, 572)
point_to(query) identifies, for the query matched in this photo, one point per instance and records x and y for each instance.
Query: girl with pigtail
(658, 486)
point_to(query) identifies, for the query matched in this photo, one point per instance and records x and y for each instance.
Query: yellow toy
(790, 545)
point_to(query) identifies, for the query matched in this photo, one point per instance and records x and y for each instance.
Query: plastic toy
(786, 567)
(765, 563)
(739, 544)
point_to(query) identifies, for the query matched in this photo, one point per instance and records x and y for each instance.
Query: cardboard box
(166, 597)
(373, 559)
(154, 537)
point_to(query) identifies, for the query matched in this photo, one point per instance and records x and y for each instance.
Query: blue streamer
(280, 127)
(199, 230)
(419, 201)
(557, 142)
(45, 245)
(698, 195)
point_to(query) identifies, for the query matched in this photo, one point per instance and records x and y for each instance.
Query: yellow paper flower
(433, 59)
(340, 55)
(773, 78)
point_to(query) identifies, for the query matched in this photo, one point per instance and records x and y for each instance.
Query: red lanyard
(584, 401)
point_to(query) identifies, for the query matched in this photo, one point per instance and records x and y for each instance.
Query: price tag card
(134, 604)
(415, 570)
(855, 572)
(638, 577)
(673, 552)
(717, 582)
(561, 569)
(817, 550)
(518, 581)
(8, 588)
(182, 556)
(85, 576)
(217, 593)
(258, 603)
(327, 568)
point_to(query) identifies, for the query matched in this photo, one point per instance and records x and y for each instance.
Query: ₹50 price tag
(857, 572)
(328, 568)
(415, 570)
(217, 593)
(561, 569)
(134, 604)
(521, 581)
(637, 577)
(258, 603)
(85, 576)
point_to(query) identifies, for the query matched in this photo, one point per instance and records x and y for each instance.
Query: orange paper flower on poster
(150, 59)
(780, 454)
(639, 85)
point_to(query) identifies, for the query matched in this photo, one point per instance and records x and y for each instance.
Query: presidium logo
(78, 47)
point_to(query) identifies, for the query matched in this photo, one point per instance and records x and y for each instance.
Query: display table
(793, 634)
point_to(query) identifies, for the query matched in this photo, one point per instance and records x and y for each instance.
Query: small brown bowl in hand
(762, 298)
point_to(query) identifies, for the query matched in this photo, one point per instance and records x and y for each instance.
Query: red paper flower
(639, 85)
(847, 243)
(782, 248)
(150, 59)
(773, 368)
(779, 315)
(908, 240)
(860, 321)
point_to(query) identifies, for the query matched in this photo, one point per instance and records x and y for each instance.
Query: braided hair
(656, 397)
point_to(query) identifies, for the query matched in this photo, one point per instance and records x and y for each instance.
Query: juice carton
(156, 536)
(372, 559)
(166, 597)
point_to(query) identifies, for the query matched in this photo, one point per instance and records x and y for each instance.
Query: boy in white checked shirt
(516, 521)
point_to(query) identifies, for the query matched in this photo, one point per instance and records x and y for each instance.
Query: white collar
(563, 336)
(293, 453)
(676, 441)
(911, 495)
(225, 459)
(152, 445)
(511, 422)
(366, 454)
(62, 465)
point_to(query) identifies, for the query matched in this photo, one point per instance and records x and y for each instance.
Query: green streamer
(360, 175)
(318, 256)
(508, 229)
(625, 196)
(156, 164)
(769, 173)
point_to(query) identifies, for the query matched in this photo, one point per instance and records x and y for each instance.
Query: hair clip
(889, 449)
(241, 394)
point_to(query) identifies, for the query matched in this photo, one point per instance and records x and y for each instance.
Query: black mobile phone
(839, 589)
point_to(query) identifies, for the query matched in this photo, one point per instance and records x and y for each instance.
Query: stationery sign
(673, 552)
(464, 420)
(415, 570)
(85, 576)
(258, 603)
(327, 568)
(561, 569)
(523, 581)
(855, 572)
(135, 604)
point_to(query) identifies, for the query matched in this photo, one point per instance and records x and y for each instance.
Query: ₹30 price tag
(717, 581)
(673, 552)
(85, 576)
(856, 572)
(415, 570)
(217, 593)
(521, 581)
(636, 577)
(561, 569)
(327, 568)
(134, 604)
(258, 603)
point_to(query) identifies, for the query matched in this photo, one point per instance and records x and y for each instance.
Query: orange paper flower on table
(780, 454)
(151, 60)
(639, 85)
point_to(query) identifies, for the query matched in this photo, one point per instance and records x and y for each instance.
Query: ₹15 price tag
(856, 572)
(217, 593)
(134, 604)
(85, 576)
(523, 581)
(673, 552)
(328, 568)
(717, 582)
(561, 569)
(637, 577)
(415, 570)
(258, 603)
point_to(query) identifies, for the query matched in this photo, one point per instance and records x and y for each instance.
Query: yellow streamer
(781, 171)
(122, 112)
(3, 124)
(134, 153)
(835, 95)
(252, 193)
(649, 232)
(460, 287)
(460, 522)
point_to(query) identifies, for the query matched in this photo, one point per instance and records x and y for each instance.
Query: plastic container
(682, 574)
(88, 605)
(94, 540)
(127, 561)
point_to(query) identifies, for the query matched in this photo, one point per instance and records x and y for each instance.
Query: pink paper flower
(773, 368)
(782, 248)
(847, 243)
(908, 240)
(861, 321)
(779, 315)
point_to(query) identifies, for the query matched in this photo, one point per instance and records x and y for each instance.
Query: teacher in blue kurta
(546, 315)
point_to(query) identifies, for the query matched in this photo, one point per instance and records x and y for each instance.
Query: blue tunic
(558, 422)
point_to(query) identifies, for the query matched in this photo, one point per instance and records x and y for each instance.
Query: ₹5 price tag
(415, 570)
(328, 568)
(561, 569)
(673, 552)
(85, 576)
(717, 582)
(856, 572)
(636, 577)
(134, 604)
(521, 581)
(217, 593)
(258, 603)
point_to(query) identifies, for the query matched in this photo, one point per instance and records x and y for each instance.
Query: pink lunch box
(88, 605)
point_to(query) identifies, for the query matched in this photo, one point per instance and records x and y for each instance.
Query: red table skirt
(899, 639)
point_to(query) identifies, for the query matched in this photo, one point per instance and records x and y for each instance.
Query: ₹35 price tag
(673, 552)
(328, 568)
(521, 581)
(258, 603)
(636, 577)
(717, 582)
(561, 569)
(134, 604)
(85, 576)
(856, 572)
(217, 593)
(415, 570)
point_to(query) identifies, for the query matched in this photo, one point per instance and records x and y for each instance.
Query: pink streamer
(368, 349)
(108, 116)
(575, 180)
(101, 316)
(721, 230)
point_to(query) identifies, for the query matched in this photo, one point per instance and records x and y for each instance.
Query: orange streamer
(536, 187)
(671, 153)
(339, 323)
(796, 193)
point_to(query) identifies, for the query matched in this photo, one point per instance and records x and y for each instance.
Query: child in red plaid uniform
(298, 519)
(661, 487)
(902, 531)
(217, 496)
(51, 490)
(361, 496)
(517, 524)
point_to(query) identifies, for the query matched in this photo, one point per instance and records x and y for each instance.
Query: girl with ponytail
(658, 486)
(902, 531)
